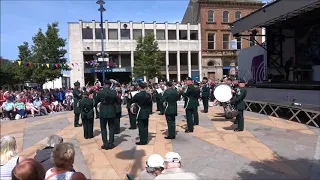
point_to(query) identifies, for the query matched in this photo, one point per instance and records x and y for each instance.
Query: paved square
(269, 148)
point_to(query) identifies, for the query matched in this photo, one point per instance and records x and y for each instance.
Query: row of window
(225, 16)
(125, 34)
(226, 42)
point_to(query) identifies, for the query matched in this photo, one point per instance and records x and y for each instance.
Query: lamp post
(102, 9)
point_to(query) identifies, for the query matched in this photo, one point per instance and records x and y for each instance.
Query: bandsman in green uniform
(132, 117)
(87, 115)
(143, 101)
(170, 97)
(205, 92)
(118, 110)
(76, 98)
(196, 114)
(240, 105)
(107, 99)
(191, 103)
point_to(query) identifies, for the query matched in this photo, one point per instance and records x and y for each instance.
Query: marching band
(106, 102)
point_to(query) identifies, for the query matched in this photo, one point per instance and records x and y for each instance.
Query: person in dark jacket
(43, 155)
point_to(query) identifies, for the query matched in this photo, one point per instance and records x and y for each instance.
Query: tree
(48, 48)
(22, 72)
(148, 58)
(9, 73)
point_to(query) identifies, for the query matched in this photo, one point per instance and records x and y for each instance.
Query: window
(98, 33)
(226, 41)
(87, 33)
(137, 33)
(210, 40)
(183, 34)
(237, 15)
(239, 44)
(225, 16)
(125, 33)
(193, 35)
(113, 34)
(148, 31)
(252, 41)
(161, 34)
(210, 16)
(172, 35)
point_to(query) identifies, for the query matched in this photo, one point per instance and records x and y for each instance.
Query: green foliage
(47, 47)
(148, 58)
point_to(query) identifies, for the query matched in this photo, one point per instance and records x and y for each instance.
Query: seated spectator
(8, 108)
(38, 104)
(43, 155)
(20, 108)
(172, 165)
(30, 107)
(154, 167)
(29, 169)
(46, 103)
(9, 156)
(62, 157)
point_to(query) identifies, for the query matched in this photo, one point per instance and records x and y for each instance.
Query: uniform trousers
(240, 120)
(87, 127)
(111, 125)
(171, 122)
(117, 123)
(143, 125)
(76, 119)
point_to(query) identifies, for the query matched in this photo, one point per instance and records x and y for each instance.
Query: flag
(48, 66)
(19, 62)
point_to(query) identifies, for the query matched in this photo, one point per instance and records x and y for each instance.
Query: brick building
(215, 17)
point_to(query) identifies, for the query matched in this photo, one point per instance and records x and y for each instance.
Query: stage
(315, 85)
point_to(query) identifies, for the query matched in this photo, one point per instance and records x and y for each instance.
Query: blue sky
(20, 20)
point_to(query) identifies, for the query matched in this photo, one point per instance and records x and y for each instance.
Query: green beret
(196, 83)
(76, 83)
(205, 78)
(142, 85)
(189, 78)
(169, 83)
(86, 93)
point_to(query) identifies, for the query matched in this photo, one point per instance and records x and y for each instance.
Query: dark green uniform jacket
(108, 98)
(239, 103)
(205, 90)
(76, 98)
(170, 96)
(191, 97)
(143, 100)
(86, 106)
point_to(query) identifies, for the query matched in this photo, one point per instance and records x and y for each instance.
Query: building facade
(179, 43)
(215, 16)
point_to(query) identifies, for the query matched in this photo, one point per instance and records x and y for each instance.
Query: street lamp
(102, 9)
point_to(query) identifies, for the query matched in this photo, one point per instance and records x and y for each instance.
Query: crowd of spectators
(16, 105)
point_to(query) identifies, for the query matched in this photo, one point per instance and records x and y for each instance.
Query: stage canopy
(276, 11)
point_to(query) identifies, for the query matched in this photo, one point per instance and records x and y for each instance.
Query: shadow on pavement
(300, 169)
(136, 155)
(120, 139)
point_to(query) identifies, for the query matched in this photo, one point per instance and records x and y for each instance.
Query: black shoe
(111, 146)
(140, 143)
(97, 117)
(237, 130)
(195, 124)
(117, 132)
(78, 125)
(167, 137)
(205, 111)
(131, 128)
(235, 122)
(105, 148)
(160, 113)
(188, 131)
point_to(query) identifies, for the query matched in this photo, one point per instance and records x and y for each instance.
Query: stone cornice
(232, 3)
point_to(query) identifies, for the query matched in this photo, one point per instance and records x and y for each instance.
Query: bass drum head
(223, 93)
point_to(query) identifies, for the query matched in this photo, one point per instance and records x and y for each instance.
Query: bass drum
(223, 93)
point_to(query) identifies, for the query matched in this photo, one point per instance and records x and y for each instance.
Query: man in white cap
(172, 165)
(154, 167)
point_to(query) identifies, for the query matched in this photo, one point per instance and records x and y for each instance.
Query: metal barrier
(274, 109)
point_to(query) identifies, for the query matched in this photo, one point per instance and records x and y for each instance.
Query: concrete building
(61, 82)
(180, 44)
(215, 17)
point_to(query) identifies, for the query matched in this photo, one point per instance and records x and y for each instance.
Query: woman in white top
(9, 157)
(30, 107)
(62, 157)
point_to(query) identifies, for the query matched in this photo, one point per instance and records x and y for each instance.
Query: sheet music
(133, 93)
(159, 90)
